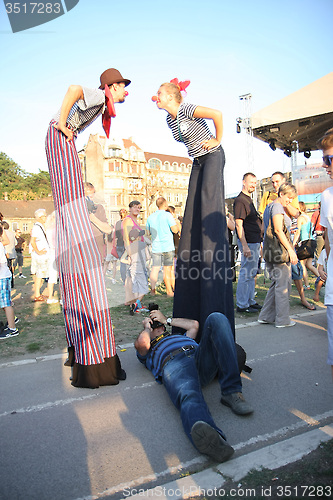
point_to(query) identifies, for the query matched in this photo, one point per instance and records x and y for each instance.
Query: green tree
(20, 184)
(11, 175)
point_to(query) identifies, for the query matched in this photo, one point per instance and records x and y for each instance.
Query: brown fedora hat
(110, 76)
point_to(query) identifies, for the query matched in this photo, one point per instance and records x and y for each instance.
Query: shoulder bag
(306, 248)
(114, 247)
(273, 250)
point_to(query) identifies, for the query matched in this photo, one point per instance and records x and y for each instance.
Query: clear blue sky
(225, 48)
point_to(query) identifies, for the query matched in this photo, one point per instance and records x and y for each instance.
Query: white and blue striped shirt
(154, 358)
(85, 110)
(193, 131)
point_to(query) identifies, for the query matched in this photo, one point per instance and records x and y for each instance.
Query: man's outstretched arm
(142, 343)
(190, 325)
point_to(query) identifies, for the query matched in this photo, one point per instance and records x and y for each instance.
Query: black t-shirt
(245, 210)
(119, 234)
(19, 244)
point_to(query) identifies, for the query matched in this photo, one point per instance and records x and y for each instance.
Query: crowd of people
(142, 251)
(145, 250)
(280, 206)
(196, 254)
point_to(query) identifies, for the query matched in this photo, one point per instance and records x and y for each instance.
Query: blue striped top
(85, 110)
(193, 131)
(154, 358)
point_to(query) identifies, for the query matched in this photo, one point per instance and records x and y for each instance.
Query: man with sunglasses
(326, 220)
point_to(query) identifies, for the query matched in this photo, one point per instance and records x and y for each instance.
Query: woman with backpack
(304, 233)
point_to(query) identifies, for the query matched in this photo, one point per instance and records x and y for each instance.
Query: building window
(113, 200)
(169, 197)
(154, 163)
(135, 186)
(182, 167)
(116, 183)
(134, 168)
(115, 166)
(25, 228)
(113, 217)
(166, 165)
(133, 153)
(114, 152)
(118, 166)
(176, 198)
(175, 165)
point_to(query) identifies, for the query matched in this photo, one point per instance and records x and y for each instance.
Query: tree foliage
(21, 185)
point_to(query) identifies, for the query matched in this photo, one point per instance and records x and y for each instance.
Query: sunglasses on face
(328, 160)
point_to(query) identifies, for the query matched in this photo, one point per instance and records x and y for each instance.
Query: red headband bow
(181, 85)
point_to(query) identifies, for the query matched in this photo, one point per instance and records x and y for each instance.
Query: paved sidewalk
(212, 479)
(64, 443)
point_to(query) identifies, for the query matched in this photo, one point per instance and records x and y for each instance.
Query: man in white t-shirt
(40, 252)
(326, 220)
(161, 225)
(10, 249)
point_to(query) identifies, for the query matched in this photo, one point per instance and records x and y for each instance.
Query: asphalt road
(58, 442)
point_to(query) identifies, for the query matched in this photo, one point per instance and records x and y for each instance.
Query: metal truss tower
(245, 123)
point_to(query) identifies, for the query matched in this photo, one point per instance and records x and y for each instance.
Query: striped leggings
(85, 305)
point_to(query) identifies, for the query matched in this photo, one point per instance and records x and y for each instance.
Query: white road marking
(273, 355)
(135, 484)
(48, 405)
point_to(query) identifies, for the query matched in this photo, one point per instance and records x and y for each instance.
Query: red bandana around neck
(109, 112)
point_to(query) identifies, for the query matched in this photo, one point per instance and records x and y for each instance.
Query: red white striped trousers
(85, 304)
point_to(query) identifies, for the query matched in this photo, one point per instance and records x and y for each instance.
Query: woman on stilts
(203, 274)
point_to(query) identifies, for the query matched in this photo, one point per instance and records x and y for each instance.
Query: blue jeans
(163, 258)
(185, 374)
(123, 267)
(297, 271)
(247, 273)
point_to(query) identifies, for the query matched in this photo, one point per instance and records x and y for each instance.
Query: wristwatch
(168, 321)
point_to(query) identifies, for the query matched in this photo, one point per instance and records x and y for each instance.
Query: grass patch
(42, 328)
(310, 477)
(33, 347)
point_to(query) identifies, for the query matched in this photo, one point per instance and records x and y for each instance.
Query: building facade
(21, 214)
(121, 172)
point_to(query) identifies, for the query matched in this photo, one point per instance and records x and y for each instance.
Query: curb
(121, 347)
(211, 481)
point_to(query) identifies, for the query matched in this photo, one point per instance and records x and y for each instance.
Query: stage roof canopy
(303, 116)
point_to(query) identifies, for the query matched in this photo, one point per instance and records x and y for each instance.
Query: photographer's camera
(154, 307)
